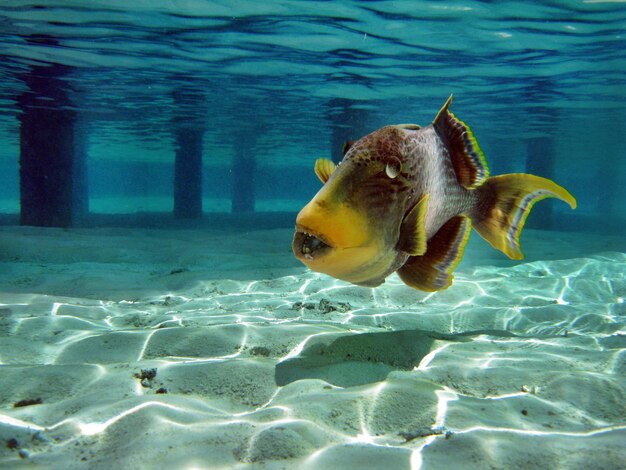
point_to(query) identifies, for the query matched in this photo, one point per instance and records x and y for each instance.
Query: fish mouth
(309, 245)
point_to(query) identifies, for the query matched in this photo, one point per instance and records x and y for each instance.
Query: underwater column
(188, 134)
(347, 122)
(244, 172)
(540, 162)
(540, 145)
(188, 173)
(53, 188)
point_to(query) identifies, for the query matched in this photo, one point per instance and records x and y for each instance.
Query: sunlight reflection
(250, 285)
(304, 286)
(445, 395)
(75, 337)
(146, 342)
(199, 360)
(89, 326)
(533, 432)
(176, 319)
(428, 358)
(331, 288)
(564, 290)
(89, 429)
(485, 363)
(476, 285)
(510, 395)
(317, 454)
(285, 409)
(348, 318)
(298, 349)
(269, 405)
(416, 456)
(617, 362)
(364, 436)
(18, 423)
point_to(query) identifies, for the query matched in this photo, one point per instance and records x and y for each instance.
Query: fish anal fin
(371, 283)
(504, 203)
(413, 230)
(324, 168)
(467, 157)
(433, 270)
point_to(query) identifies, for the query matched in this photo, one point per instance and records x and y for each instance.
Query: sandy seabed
(128, 348)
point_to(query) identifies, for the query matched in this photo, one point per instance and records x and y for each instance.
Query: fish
(405, 198)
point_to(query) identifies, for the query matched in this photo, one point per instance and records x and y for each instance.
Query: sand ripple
(520, 365)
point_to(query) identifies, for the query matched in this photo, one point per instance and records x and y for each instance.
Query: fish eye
(393, 168)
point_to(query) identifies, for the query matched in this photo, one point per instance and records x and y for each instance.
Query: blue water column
(188, 174)
(540, 158)
(541, 118)
(53, 187)
(348, 123)
(189, 134)
(243, 172)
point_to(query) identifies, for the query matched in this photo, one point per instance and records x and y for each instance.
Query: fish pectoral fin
(467, 158)
(413, 229)
(433, 270)
(324, 168)
(347, 145)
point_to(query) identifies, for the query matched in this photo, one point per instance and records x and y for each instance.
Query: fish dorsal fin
(468, 159)
(433, 270)
(324, 168)
(413, 229)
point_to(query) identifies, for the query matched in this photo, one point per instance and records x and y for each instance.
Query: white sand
(267, 365)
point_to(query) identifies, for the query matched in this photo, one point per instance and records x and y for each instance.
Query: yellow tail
(505, 201)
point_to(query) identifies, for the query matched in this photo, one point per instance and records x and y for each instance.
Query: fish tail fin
(504, 203)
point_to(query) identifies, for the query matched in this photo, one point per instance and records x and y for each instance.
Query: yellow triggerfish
(404, 199)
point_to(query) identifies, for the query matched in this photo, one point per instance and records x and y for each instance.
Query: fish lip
(314, 233)
(301, 236)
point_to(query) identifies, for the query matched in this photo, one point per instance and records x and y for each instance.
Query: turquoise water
(281, 80)
(131, 338)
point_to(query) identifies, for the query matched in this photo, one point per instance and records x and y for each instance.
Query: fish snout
(310, 241)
